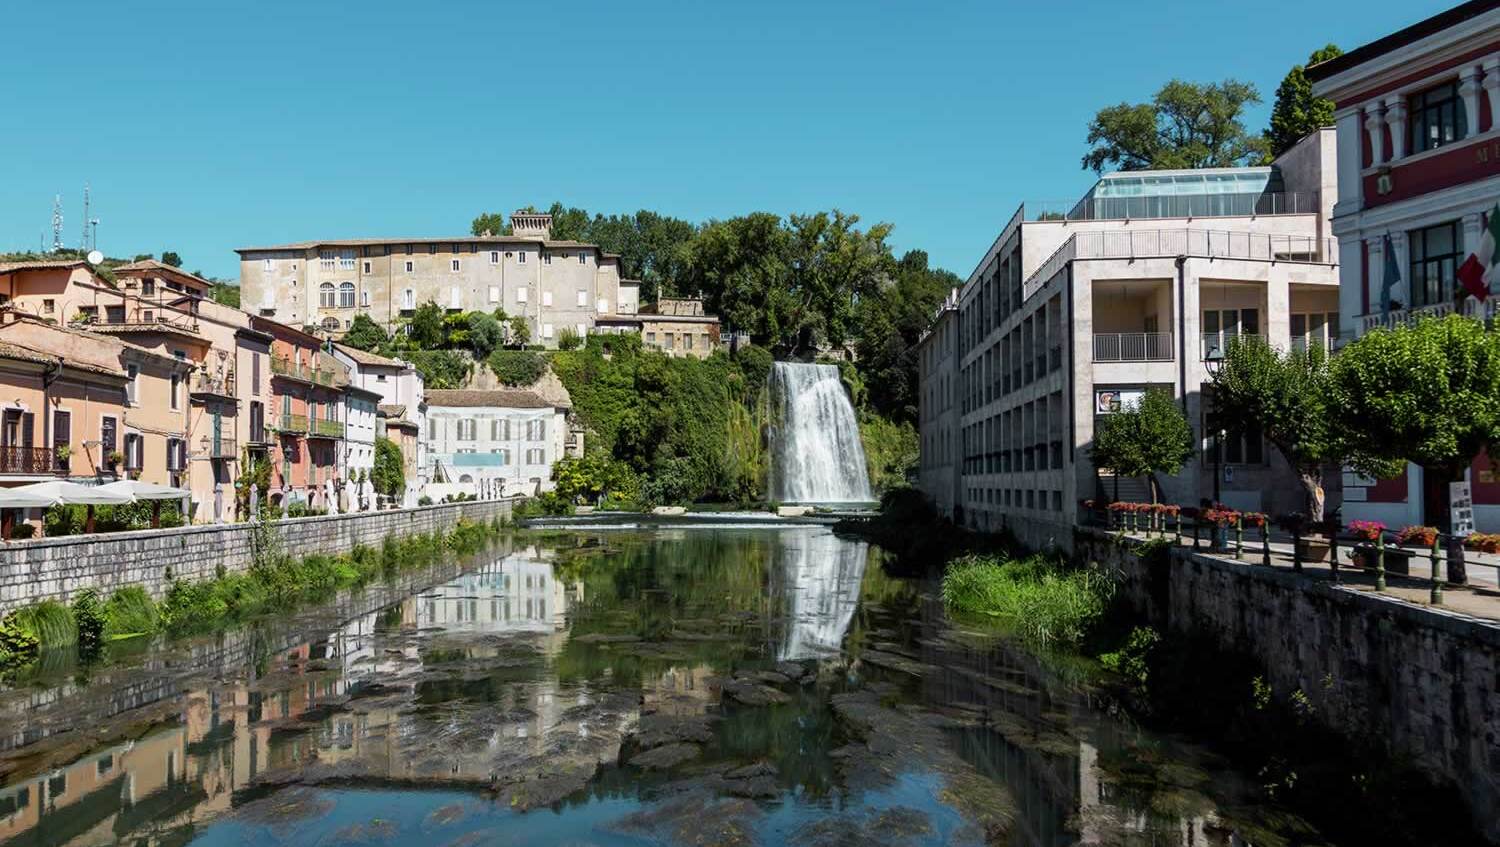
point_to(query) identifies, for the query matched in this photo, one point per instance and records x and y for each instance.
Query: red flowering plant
(1366, 530)
(1417, 536)
(1168, 509)
(1257, 519)
(1483, 542)
(1221, 515)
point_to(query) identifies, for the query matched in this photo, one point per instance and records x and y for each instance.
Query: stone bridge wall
(58, 568)
(1422, 682)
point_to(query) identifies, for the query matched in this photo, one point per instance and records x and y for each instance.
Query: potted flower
(1483, 542)
(1370, 550)
(1222, 517)
(114, 458)
(1366, 530)
(1417, 536)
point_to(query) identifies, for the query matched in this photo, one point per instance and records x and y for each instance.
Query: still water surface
(670, 686)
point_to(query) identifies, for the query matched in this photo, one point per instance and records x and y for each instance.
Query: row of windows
(344, 260)
(1017, 498)
(670, 340)
(521, 295)
(466, 429)
(1030, 351)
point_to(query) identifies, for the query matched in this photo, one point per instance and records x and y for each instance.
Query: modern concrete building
(1140, 284)
(937, 417)
(492, 443)
(1418, 117)
(555, 285)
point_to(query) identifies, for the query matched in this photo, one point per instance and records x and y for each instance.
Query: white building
(1140, 284)
(1418, 117)
(359, 433)
(492, 443)
(398, 388)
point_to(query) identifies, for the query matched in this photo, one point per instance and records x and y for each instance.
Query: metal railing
(282, 366)
(29, 460)
(222, 447)
(1133, 347)
(1235, 205)
(328, 429)
(221, 386)
(1216, 344)
(294, 423)
(1396, 317)
(1168, 243)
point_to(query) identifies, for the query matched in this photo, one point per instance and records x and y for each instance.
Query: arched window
(346, 295)
(331, 324)
(466, 478)
(326, 295)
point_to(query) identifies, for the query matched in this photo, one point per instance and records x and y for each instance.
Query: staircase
(1133, 489)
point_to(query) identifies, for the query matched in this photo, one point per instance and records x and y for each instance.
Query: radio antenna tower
(83, 243)
(57, 221)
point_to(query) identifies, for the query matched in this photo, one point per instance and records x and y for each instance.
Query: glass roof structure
(1209, 192)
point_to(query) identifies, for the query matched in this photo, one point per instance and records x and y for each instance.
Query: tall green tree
(389, 472)
(1287, 395)
(170, 258)
(427, 327)
(490, 222)
(652, 247)
(364, 333)
(1429, 394)
(1186, 125)
(1149, 437)
(891, 322)
(1296, 111)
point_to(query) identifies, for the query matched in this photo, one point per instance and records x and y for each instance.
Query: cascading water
(817, 456)
(822, 574)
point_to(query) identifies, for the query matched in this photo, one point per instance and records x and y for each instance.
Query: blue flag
(1391, 276)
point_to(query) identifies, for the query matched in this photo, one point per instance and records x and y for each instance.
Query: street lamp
(1213, 360)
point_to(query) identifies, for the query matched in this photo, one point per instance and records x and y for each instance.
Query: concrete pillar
(1374, 120)
(1350, 186)
(1492, 88)
(1395, 118)
(1468, 89)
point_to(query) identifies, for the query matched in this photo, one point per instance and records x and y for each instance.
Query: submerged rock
(750, 693)
(695, 820)
(666, 756)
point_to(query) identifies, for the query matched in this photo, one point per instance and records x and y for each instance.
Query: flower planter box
(1313, 548)
(1397, 560)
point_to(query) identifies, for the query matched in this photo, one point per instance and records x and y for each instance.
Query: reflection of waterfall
(823, 573)
(817, 456)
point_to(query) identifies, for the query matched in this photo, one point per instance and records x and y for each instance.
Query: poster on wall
(1460, 509)
(1107, 401)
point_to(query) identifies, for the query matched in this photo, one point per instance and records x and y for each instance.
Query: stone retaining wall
(1422, 682)
(57, 568)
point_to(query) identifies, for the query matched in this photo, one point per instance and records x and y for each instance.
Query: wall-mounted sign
(1460, 509)
(1107, 401)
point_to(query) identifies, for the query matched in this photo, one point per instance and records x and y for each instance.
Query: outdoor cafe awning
(146, 490)
(61, 493)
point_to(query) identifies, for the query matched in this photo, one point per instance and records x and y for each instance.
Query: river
(608, 686)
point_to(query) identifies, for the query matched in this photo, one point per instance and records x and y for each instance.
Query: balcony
(30, 461)
(206, 385)
(281, 366)
(1216, 344)
(221, 447)
(327, 429)
(295, 424)
(1132, 347)
(1397, 317)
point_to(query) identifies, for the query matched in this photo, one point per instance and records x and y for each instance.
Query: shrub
(517, 367)
(130, 611)
(568, 339)
(1037, 599)
(1133, 660)
(49, 622)
(88, 622)
(17, 645)
(23, 530)
(424, 500)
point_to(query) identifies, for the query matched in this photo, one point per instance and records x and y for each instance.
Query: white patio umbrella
(331, 497)
(367, 492)
(154, 492)
(15, 498)
(63, 493)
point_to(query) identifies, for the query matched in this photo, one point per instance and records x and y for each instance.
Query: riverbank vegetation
(1035, 598)
(276, 579)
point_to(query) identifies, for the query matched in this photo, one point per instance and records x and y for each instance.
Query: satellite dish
(95, 257)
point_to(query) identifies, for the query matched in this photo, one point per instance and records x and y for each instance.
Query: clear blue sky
(203, 128)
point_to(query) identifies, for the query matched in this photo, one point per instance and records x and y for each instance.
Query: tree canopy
(1186, 125)
(1296, 111)
(364, 333)
(891, 322)
(489, 222)
(170, 258)
(1149, 437)
(1287, 394)
(652, 247)
(389, 472)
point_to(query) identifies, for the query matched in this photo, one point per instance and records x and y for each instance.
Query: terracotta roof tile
(364, 357)
(495, 398)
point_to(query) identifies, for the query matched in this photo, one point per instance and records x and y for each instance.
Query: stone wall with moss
(1420, 683)
(58, 568)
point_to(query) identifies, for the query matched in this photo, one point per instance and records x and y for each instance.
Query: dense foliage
(517, 367)
(890, 324)
(1287, 395)
(1037, 599)
(388, 474)
(1186, 125)
(1296, 111)
(1148, 437)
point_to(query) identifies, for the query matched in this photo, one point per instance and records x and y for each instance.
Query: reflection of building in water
(680, 691)
(821, 576)
(515, 594)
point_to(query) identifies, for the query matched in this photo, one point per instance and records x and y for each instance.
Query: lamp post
(1213, 361)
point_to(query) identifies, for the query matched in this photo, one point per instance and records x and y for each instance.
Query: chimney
(531, 224)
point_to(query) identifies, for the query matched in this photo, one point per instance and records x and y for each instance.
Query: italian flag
(1477, 271)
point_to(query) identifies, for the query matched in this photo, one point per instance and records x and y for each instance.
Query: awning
(146, 490)
(61, 493)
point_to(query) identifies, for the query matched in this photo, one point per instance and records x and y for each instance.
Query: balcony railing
(294, 423)
(328, 429)
(29, 460)
(1471, 307)
(282, 366)
(1132, 346)
(222, 447)
(1238, 204)
(1216, 344)
(205, 384)
(1169, 243)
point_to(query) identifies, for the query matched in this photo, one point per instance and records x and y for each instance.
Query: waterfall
(817, 456)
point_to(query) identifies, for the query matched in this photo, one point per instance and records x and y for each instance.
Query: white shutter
(546, 330)
(494, 294)
(456, 297)
(602, 306)
(546, 298)
(583, 297)
(521, 294)
(580, 330)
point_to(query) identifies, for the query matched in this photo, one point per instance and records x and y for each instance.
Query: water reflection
(527, 674)
(822, 575)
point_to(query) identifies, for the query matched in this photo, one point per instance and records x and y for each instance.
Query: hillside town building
(1140, 284)
(493, 443)
(555, 285)
(1418, 172)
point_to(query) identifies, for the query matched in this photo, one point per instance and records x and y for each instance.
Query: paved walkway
(1480, 598)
